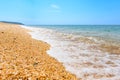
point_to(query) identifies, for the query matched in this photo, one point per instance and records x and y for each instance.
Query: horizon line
(50, 24)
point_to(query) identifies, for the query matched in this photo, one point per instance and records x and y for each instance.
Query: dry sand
(24, 58)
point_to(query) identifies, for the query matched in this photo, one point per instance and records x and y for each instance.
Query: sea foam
(79, 55)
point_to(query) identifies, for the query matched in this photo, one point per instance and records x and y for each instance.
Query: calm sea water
(107, 32)
(77, 47)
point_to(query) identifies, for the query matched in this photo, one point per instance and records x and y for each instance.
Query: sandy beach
(60, 40)
(24, 58)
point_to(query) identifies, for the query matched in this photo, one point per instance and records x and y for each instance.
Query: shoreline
(105, 44)
(82, 59)
(23, 57)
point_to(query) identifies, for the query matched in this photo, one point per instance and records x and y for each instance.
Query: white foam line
(85, 63)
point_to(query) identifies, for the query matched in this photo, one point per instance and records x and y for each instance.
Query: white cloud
(55, 6)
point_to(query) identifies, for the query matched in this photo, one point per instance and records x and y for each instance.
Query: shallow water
(80, 54)
(107, 32)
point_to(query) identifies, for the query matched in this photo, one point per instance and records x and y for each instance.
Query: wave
(83, 56)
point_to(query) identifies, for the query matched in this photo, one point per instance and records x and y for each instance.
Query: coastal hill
(12, 22)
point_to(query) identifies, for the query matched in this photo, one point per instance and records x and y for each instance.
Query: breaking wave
(82, 56)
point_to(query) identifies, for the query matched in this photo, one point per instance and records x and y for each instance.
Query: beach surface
(24, 58)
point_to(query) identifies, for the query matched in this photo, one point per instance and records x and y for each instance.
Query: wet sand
(24, 58)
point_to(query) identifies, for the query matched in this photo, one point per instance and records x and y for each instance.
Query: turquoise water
(79, 50)
(107, 32)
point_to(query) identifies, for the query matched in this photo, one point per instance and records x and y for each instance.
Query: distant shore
(25, 58)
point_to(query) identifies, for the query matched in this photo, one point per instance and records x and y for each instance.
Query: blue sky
(61, 11)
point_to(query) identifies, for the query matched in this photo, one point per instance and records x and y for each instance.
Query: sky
(61, 12)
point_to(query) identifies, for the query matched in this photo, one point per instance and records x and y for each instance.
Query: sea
(91, 52)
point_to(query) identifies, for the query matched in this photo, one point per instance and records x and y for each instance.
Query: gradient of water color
(76, 48)
(107, 32)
